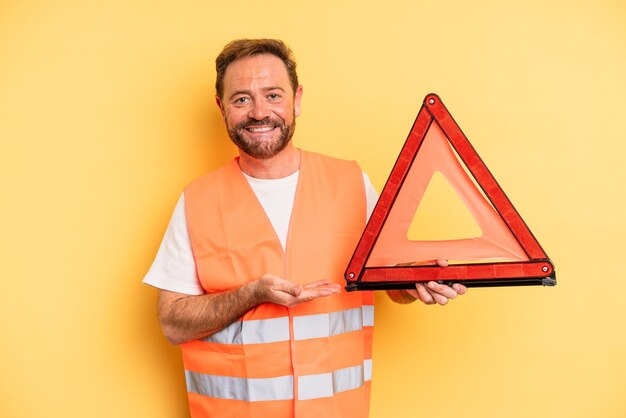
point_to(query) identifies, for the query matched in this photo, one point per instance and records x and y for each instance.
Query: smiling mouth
(260, 129)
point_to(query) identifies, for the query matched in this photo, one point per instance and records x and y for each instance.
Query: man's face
(259, 105)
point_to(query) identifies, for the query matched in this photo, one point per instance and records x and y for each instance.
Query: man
(250, 269)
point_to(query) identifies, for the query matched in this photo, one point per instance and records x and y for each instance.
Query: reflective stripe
(315, 386)
(368, 315)
(253, 332)
(240, 388)
(305, 327)
(328, 324)
(266, 330)
(348, 378)
(346, 321)
(324, 385)
(312, 386)
(367, 369)
(311, 326)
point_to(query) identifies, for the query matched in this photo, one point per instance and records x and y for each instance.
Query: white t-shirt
(174, 267)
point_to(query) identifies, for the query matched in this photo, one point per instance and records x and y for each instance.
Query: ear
(296, 101)
(219, 104)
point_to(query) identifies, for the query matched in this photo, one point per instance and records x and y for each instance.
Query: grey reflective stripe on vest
(253, 332)
(334, 323)
(368, 315)
(240, 388)
(323, 385)
(329, 324)
(313, 386)
(304, 327)
(367, 369)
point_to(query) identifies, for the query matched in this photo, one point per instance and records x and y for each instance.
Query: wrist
(252, 293)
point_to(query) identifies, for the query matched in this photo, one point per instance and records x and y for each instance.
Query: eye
(273, 96)
(241, 100)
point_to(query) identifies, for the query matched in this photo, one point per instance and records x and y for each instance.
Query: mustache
(250, 123)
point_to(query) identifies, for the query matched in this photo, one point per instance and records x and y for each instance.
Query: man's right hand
(275, 289)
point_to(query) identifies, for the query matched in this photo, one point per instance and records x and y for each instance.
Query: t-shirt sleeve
(371, 195)
(174, 267)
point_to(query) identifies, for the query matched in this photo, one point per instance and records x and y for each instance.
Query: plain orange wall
(107, 111)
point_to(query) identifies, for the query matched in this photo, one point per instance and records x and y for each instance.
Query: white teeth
(261, 129)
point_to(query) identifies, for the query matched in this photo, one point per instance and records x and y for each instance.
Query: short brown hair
(242, 48)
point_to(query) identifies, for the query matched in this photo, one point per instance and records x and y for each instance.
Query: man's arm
(188, 317)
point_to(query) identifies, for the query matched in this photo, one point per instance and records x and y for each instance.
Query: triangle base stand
(539, 281)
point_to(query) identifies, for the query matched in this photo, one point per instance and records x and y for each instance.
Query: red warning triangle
(506, 253)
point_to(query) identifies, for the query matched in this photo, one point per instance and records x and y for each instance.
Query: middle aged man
(250, 269)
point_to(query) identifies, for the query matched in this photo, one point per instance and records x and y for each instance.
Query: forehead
(257, 71)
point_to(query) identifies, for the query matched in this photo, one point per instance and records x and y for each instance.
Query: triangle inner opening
(442, 214)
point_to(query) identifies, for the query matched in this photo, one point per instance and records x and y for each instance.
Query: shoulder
(326, 162)
(207, 181)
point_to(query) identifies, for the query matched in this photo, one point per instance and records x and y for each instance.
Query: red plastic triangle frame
(537, 270)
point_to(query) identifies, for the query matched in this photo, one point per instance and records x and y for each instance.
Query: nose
(259, 110)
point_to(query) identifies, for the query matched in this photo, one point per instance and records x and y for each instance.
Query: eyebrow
(265, 89)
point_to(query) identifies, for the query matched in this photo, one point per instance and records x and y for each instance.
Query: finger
(422, 263)
(424, 295)
(442, 289)
(439, 262)
(459, 288)
(310, 294)
(286, 286)
(330, 289)
(412, 293)
(317, 283)
(294, 291)
(271, 284)
(438, 297)
(325, 285)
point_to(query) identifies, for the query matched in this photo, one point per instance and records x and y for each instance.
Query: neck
(281, 165)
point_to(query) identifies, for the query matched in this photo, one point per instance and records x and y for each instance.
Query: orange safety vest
(313, 360)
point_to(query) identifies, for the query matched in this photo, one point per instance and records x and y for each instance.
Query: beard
(262, 150)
